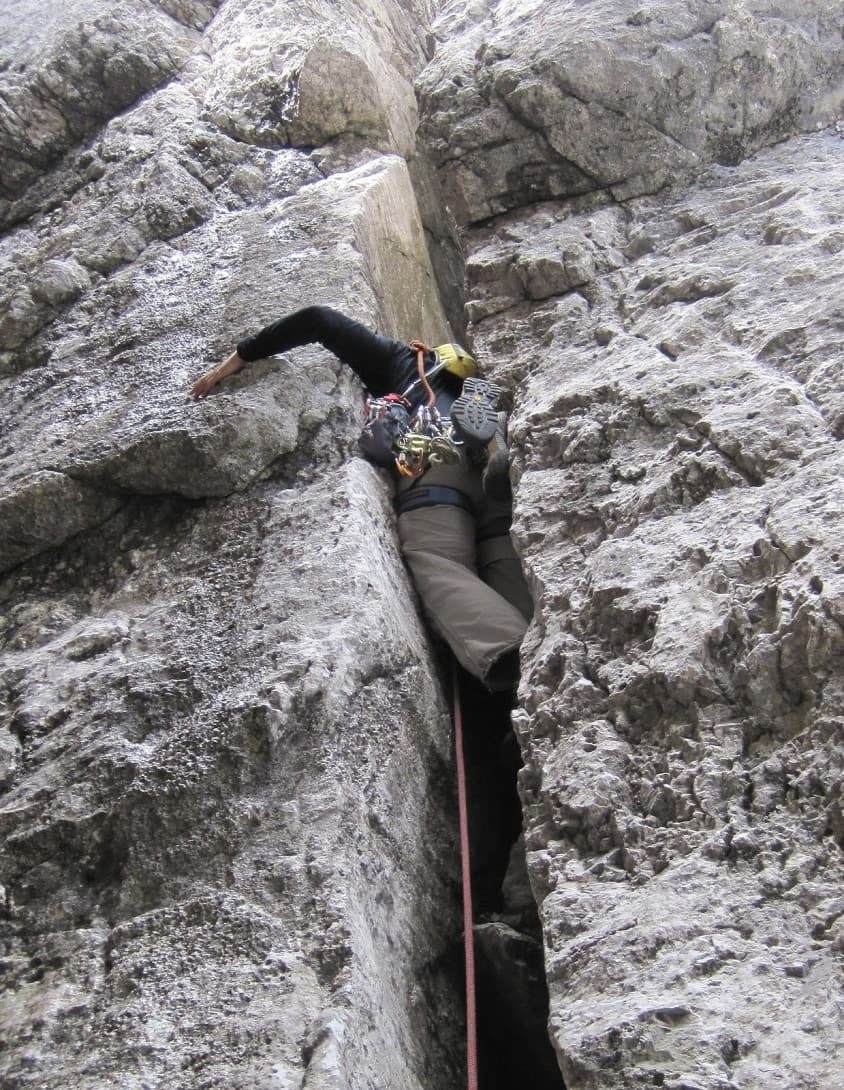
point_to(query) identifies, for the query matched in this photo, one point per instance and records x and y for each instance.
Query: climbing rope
(421, 349)
(468, 933)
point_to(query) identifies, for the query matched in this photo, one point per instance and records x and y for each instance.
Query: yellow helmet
(456, 360)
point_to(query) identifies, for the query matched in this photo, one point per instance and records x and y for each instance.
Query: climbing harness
(392, 435)
(427, 440)
(412, 440)
(433, 495)
(386, 419)
(466, 872)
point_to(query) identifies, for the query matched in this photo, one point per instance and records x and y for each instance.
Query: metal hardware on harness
(376, 408)
(428, 439)
(413, 454)
(427, 421)
(419, 437)
(466, 873)
(444, 450)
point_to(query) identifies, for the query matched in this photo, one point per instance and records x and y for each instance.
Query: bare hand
(206, 383)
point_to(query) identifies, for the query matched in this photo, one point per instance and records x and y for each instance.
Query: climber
(452, 500)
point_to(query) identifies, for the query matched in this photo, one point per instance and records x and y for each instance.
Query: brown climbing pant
(474, 595)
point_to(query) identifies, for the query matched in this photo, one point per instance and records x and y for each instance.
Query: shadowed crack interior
(514, 1048)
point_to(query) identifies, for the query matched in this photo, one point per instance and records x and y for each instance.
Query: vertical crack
(514, 1047)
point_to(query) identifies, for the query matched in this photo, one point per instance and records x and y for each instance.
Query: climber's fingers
(206, 383)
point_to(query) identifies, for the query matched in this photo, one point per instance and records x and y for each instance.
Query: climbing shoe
(474, 415)
(496, 476)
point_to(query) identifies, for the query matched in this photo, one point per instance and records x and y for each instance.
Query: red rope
(421, 349)
(468, 934)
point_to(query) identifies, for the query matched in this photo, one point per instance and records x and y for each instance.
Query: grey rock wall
(227, 808)
(227, 801)
(618, 97)
(652, 195)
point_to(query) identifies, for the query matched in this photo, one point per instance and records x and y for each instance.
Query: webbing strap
(431, 495)
(465, 864)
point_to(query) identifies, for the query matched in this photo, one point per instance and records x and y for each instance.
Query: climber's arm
(206, 383)
(380, 362)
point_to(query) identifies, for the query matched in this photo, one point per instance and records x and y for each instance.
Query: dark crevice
(599, 197)
(514, 1048)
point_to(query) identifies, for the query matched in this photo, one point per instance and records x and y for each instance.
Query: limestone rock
(670, 362)
(227, 817)
(44, 510)
(227, 800)
(618, 97)
(129, 377)
(679, 509)
(69, 70)
(317, 75)
(186, 692)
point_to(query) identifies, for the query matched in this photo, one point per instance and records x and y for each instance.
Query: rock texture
(525, 104)
(674, 358)
(227, 813)
(227, 803)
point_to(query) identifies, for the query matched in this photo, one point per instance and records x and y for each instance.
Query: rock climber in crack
(445, 440)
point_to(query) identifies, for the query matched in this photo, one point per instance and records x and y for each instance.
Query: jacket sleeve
(381, 363)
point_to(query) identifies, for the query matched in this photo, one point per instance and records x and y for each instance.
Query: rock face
(228, 820)
(675, 367)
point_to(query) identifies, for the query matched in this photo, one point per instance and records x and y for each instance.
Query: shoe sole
(475, 412)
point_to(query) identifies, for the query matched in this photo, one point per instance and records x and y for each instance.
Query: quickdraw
(376, 408)
(428, 440)
(394, 433)
(412, 458)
